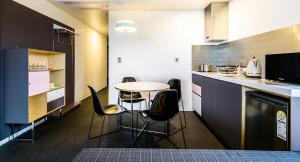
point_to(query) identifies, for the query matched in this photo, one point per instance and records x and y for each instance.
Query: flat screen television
(283, 67)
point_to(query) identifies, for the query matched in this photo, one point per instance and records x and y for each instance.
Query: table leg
(149, 101)
(131, 119)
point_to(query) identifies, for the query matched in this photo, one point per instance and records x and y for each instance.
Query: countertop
(284, 89)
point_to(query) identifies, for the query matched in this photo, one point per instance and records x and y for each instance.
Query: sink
(228, 75)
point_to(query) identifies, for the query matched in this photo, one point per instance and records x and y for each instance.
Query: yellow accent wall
(90, 48)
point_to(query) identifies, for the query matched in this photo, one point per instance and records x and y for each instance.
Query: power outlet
(176, 59)
(119, 60)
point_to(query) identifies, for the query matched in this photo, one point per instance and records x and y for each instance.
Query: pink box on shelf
(38, 82)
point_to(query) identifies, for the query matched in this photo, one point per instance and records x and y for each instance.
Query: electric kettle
(253, 68)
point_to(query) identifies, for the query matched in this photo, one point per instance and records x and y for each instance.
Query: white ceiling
(92, 11)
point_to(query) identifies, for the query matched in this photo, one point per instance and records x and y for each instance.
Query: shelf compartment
(37, 107)
(55, 94)
(31, 98)
(55, 104)
(53, 60)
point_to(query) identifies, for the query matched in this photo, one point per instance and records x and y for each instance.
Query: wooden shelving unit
(28, 96)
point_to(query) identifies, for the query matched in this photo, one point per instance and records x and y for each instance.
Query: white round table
(140, 87)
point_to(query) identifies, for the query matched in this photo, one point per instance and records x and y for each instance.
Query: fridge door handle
(278, 104)
(271, 103)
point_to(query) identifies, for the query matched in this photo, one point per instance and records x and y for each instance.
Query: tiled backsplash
(278, 41)
(204, 54)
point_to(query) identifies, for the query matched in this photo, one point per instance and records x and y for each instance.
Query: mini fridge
(267, 122)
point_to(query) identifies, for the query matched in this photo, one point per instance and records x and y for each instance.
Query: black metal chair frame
(178, 88)
(100, 111)
(130, 100)
(148, 121)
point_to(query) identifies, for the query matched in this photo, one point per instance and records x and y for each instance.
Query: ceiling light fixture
(125, 26)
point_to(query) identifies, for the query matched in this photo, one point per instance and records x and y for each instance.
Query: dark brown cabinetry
(22, 27)
(222, 109)
(208, 101)
(228, 116)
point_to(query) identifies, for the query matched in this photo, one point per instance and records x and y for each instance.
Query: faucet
(241, 62)
(239, 68)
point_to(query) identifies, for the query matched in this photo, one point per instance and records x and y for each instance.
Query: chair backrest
(176, 84)
(128, 94)
(96, 102)
(164, 106)
(128, 79)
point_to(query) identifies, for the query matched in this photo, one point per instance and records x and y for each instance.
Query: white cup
(51, 85)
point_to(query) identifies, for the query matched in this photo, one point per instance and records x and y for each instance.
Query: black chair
(176, 84)
(163, 109)
(126, 96)
(103, 111)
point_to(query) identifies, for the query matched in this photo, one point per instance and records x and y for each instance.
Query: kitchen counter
(283, 89)
(290, 91)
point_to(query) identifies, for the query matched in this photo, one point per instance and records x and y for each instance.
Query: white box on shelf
(55, 94)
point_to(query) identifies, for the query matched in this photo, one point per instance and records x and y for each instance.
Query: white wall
(252, 17)
(149, 53)
(90, 48)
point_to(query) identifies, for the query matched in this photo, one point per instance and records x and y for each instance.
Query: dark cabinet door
(197, 79)
(222, 109)
(22, 27)
(208, 101)
(228, 113)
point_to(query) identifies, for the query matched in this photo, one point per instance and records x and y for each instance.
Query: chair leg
(183, 114)
(137, 125)
(103, 122)
(146, 136)
(168, 127)
(182, 132)
(140, 133)
(91, 125)
(117, 119)
(121, 117)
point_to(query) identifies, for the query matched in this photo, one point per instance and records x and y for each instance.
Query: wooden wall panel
(25, 28)
(64, 45)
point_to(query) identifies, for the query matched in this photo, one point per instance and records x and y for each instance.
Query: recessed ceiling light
(125, 26)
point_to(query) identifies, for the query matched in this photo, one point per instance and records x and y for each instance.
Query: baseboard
(19, 133)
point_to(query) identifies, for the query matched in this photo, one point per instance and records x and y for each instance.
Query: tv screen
(283, 67)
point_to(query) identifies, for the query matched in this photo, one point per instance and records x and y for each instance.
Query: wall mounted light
(125, 26)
